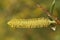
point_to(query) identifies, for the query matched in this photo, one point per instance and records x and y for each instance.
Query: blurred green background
(26, 9)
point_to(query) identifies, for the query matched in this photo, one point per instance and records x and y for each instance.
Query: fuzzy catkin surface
(30, 23)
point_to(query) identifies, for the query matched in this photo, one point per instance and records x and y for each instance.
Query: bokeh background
(27, 9)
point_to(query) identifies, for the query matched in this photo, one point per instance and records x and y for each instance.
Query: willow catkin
(30, 23)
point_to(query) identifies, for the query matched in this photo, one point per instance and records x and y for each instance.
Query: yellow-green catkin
(30, 23)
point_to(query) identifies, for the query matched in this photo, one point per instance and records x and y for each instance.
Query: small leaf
(52, 7)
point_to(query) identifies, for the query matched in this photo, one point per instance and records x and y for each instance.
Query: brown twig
(48, 13)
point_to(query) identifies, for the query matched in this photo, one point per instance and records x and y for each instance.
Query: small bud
(53, 28)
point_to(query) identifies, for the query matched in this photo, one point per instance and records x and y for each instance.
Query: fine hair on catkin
(30, 23)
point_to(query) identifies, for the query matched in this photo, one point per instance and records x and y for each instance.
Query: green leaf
(52, 6)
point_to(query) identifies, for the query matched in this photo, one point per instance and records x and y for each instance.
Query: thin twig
(48, 13)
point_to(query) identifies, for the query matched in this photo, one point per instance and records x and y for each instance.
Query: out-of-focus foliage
(26, 9)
